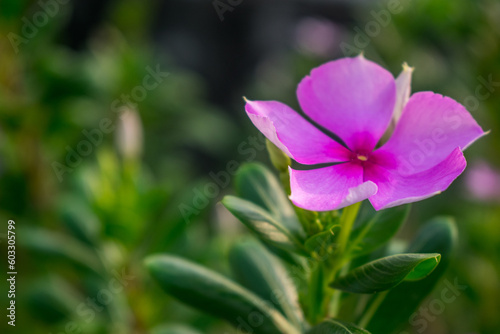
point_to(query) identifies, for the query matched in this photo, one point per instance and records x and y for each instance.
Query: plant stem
(334, 307)
(316, 295)
(347, 220)
(370, 312)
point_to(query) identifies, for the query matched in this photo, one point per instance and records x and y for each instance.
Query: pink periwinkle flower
(483, 182)
(317, 37)
(357, 100)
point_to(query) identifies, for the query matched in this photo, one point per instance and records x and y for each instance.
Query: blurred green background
(120, 120)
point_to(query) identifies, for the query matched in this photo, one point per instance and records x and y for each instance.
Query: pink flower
(483, 182)
(318, 37)
(356, 100)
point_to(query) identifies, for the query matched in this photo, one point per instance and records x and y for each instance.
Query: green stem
(334, 306)
(370, 312)
(316, 288)
(347, 220)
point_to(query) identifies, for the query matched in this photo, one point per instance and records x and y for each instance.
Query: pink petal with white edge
(329, 188)
(431, 127)
(352, 97)
(294, 135)
(395, 189)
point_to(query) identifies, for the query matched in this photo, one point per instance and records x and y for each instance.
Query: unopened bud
(129, 137)
(279, 159)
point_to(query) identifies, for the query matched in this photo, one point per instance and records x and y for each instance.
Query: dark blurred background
(116, 116)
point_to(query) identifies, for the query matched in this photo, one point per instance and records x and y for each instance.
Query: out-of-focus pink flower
(317, 36)
(356, 100)
(483, 182)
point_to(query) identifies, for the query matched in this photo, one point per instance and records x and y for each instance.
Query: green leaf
(262, 224)
(174, 329)
(387, 272)
(214, 294)
(61, 246)
(257, 184)
(256, 269)
(52, 299)
(337, 327)
(374, 229)
(393, 314)
(291, 259)
(80, 220)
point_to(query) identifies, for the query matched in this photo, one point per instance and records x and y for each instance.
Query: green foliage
(256, 184)
(393, 313)
(61, 247)
(214, 294)
(262, 224)
(174, 329)
(387, 272)
(374, 229)
(259, 271)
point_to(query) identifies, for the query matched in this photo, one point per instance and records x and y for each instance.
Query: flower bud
(129, 137)
(279, 159)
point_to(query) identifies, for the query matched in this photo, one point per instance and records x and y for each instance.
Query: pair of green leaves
(266, 291)
(395, 308)
(374, 229)
(370, 231)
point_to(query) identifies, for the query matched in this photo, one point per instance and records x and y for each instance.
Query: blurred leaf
(256, 269)
(174, 329)
(290, 258)
(336, 327)
(385, 273)
(257, 184)
(375, 229)
(262, 223)
(439, 235)
(81, 221)
(214, 294)
(52, 299)
(61, 246)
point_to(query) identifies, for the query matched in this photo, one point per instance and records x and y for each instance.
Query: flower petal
(395, 189)
(352, 97)
(431, 127)
(403, 91)
(330, 188)
(294, 135)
